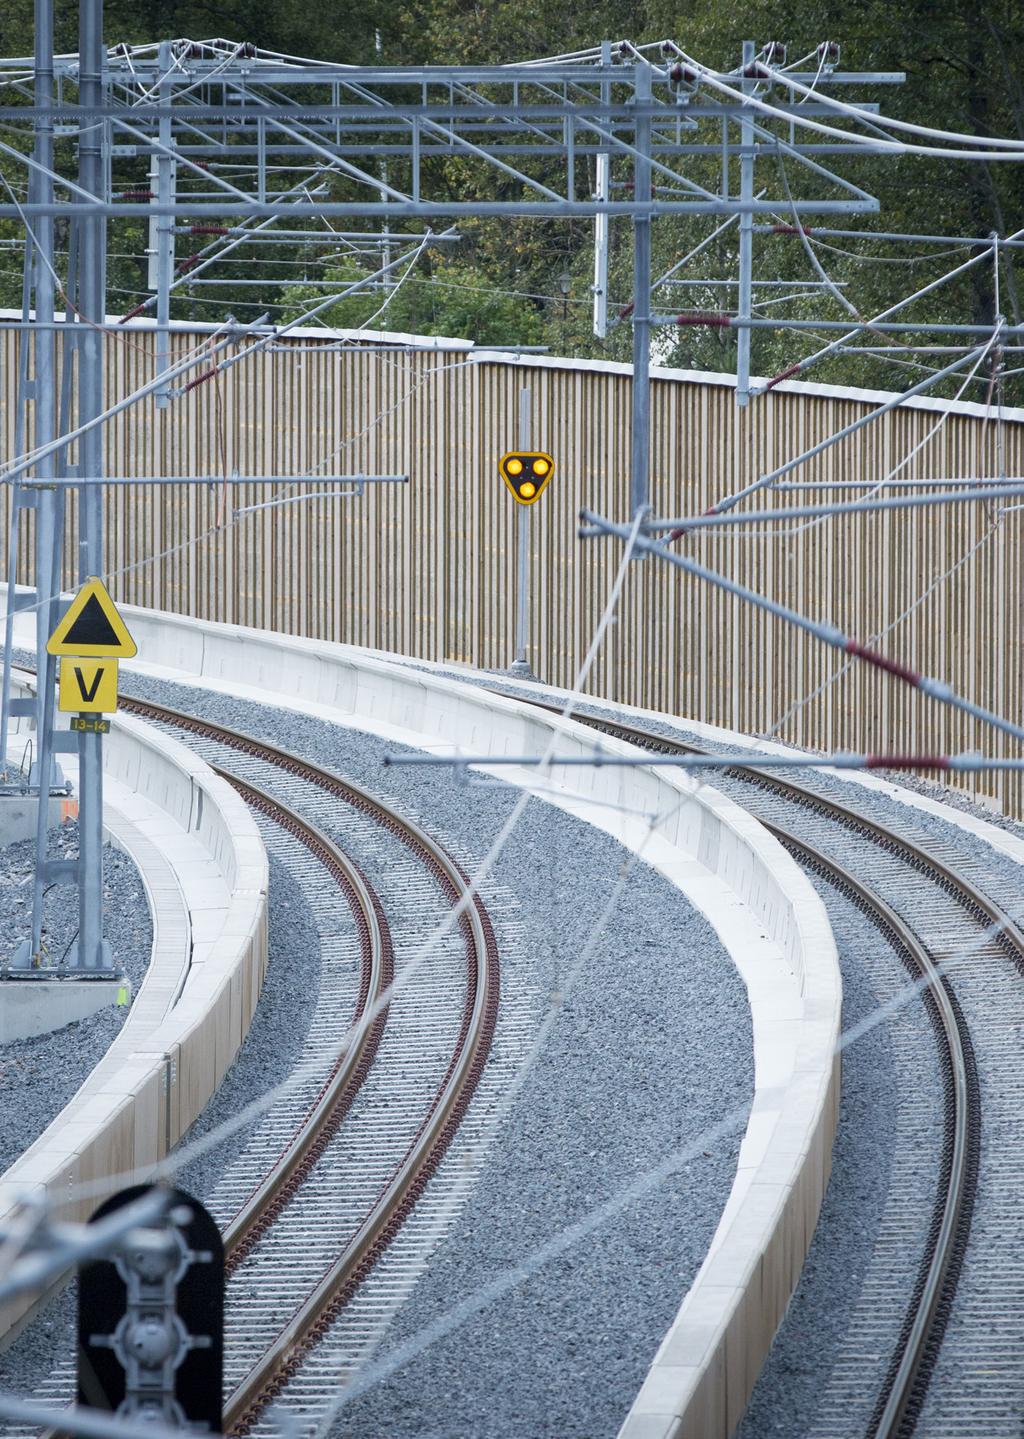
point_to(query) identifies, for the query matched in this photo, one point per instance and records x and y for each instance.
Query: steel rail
(350, 1068)
(449, 1104)
(947, 1238)
(317, 1126)
(903, 1390)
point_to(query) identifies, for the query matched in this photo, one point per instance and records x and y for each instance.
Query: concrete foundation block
(39, 1006)
(18, 815)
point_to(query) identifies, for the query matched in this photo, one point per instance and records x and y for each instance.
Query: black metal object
(151, 1320)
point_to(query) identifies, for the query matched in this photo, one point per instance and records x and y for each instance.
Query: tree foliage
(528, 282)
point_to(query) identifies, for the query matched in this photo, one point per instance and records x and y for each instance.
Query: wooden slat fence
(428, 569)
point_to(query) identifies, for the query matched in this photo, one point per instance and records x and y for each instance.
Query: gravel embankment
(38, 1076)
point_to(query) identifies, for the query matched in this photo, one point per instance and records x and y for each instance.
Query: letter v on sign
(87, 686)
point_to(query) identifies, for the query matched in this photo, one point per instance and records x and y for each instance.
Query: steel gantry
(224, 146)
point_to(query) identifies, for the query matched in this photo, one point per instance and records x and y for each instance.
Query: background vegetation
(529, 282)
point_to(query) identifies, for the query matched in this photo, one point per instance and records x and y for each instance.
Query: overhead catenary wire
(968, 763)
(1012, 151)
(890, 122)
(994, 491)
(910, 454)
(727, 502)
(827, 633)
(800, 367)
(876, 638)
(12, 468)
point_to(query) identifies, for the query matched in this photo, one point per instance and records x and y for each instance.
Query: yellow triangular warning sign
(92, 627)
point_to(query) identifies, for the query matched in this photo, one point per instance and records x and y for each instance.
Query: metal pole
(44, 390)
(602, 190)
(20, 498)
(11, 579)
(49, 502)
(389, 283)
(91, 951)
(164, 225)
(91, 288)
(746, 293)
(520, 666)
(638, 489)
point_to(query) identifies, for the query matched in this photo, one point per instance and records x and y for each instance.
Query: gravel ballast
(39, 1076)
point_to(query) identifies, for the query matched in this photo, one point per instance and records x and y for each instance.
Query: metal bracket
(104, 970)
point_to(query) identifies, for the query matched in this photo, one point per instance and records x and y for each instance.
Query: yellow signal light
(527, 473)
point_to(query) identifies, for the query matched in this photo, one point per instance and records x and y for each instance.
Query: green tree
(438, 296)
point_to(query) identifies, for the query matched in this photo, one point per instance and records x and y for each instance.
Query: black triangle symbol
(92, 627)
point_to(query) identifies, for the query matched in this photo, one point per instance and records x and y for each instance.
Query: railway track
(391, 1148)
(917, 921)
(954, 933)
(337, 1164)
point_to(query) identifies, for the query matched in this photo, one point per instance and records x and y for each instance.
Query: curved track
(901, 1397)
(269, 1188)
(900, 1400)
(315, 1126)
(378, 1223)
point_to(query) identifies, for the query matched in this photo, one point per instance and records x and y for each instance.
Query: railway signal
(526, 472)
(151, 1320)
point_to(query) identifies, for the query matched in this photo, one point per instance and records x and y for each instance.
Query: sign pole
(90, 852)
(92, 304)
(641, 395)
(520, 666)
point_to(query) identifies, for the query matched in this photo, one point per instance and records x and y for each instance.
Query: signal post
(526, 472)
